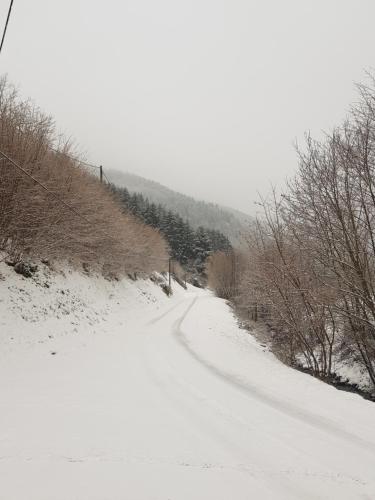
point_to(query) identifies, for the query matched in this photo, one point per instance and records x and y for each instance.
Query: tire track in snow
(252, 391)
(168, 311)
(208, 418)
(210, 424)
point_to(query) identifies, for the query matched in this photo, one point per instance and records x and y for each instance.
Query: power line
(106, 178)
(72, 209)
(100, 168)
(74, 158)
(6, 24)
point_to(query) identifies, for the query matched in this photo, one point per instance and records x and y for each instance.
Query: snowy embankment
(111, 390)
(53, 304)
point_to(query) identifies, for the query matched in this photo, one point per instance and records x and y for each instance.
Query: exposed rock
(25, 268)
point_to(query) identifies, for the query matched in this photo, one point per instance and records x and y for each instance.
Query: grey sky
(205, 96)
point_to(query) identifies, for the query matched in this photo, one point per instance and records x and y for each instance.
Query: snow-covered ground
(112, 391)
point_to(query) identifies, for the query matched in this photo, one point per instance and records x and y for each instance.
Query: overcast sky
(204, 96)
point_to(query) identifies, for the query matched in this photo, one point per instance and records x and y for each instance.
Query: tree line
(309, 270)
(188, 246)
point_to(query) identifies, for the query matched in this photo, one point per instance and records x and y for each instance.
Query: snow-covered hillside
(113, 391)
(55, 304)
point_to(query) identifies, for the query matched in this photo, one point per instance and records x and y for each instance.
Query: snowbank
(55, 303)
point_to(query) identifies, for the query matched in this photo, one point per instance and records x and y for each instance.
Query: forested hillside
(190, 247)
(232, 223)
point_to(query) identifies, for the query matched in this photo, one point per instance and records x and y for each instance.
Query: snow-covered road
(183, 405)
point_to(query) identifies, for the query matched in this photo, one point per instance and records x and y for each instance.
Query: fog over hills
(229, 221)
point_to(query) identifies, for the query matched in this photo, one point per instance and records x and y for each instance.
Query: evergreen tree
(187, 246)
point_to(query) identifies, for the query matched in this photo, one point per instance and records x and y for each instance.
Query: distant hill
(230, 222)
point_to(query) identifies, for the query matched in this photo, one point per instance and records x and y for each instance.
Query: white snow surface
(112, 391)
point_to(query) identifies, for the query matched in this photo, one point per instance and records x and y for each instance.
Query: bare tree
(37, 222)
(311, 260)
(222, 272)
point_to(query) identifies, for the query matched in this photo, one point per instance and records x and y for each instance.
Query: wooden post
(169, 272)
(101, 173)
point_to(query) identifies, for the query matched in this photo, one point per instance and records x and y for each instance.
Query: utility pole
(169, 272)
(101, 173)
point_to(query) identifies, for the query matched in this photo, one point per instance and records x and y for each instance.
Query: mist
(207, 97)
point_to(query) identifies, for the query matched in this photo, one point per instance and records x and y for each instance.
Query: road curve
(174, 408)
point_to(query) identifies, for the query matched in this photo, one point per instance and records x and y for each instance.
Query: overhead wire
(106, 178)
(6, 24)
(43, 186)
(74, 158)
(71, 208)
